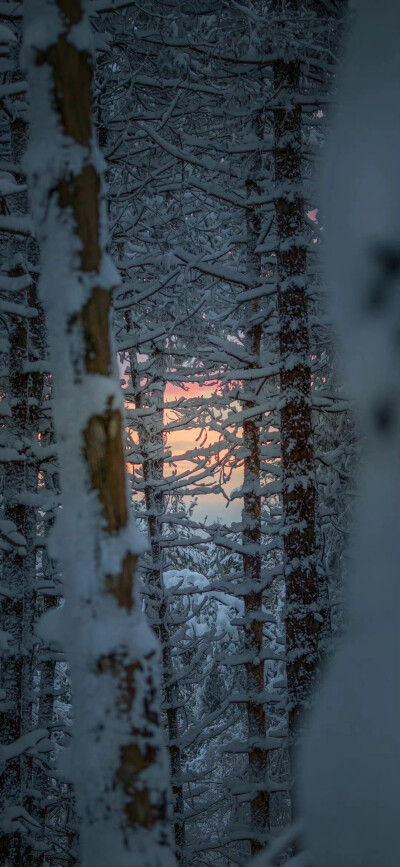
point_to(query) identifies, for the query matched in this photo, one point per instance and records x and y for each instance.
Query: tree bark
(151, 442)
(251, 518)
(117, 759)
(304, 615)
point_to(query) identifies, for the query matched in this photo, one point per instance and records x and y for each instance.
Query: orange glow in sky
(213, 505)
(191, 439)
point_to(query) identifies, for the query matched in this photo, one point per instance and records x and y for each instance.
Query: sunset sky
(210, 505)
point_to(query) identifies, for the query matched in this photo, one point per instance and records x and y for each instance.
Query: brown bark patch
(81, 194)
(121, 585)
(104, 453)
(94, 318)
(71, 9)
(72, 77)
(139, 809)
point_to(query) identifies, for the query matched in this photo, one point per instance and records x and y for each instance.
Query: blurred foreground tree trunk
(351, 758)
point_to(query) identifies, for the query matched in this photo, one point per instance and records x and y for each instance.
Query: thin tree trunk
(304, 614)
(256, 720)
(251, 519)
(151, 441)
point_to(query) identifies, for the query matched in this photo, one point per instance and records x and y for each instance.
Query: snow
(9, 532)
(200, 588)
(16, 819)
(285, 840)
(351, 758)
(12, 89)
(37, 740)
(43, 26)
(5, 640)
(8, 187)
(6, 35)
(16, 225)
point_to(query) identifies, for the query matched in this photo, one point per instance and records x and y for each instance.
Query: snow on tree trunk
(152, 448)
(351, 761)
(303, 620)
(251, 535)
(117, 761)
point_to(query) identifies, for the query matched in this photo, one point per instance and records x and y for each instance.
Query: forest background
(185, 142)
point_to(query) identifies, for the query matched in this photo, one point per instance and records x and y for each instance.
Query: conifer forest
(199, 433)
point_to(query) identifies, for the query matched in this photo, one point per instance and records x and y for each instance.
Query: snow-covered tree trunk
(152, 448)
(117, 761)
(351, 762)
(251, 519)
(304, 620)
